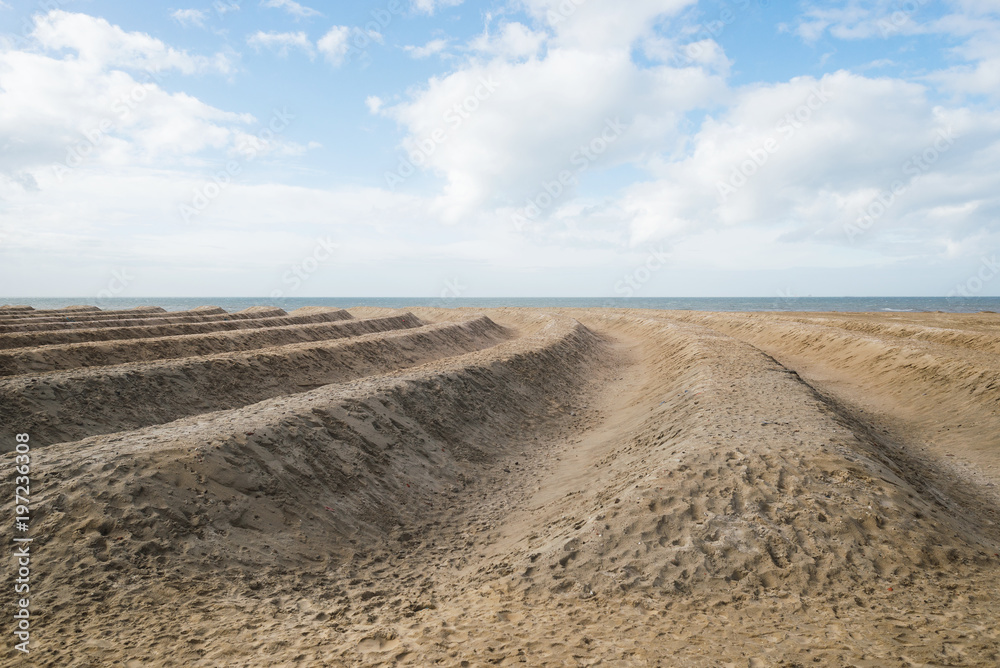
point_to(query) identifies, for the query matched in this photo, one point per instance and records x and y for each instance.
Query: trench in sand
(639, 490)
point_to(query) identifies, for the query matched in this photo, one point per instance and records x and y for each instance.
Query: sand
(558, 487)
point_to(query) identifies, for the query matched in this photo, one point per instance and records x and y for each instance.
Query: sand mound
(97, 317)
(32, 316)
(941, 378)
(156, 343)
(547, 488)
(747, 495)
(976, 333)
(125, 324)
(74, 404)
(77, 308)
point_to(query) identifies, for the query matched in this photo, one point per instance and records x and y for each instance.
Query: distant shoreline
(726, 304)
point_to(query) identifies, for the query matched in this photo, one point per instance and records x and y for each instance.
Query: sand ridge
(519, 486)
(31, 316)
(213, 338)
(48, 334)
(73, 404)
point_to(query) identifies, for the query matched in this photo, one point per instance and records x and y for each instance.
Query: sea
(842, 304)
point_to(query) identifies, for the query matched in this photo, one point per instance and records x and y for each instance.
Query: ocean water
(845, 304)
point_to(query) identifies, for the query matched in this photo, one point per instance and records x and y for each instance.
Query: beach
(537, 486)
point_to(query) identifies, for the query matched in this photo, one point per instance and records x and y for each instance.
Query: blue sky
(505, 148)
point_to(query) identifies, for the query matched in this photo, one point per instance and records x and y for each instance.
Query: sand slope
(562, 487)
(59, 333)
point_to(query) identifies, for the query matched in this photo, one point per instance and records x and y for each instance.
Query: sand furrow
(31, 315)
(18, 309)
(514, 486)
(60, 357)
(984, 338)
(721, 487)
(904, 365)
(308, 475)
(72, 405)
(949, 393)
(102, 320)
(210, 323)
(746, 486)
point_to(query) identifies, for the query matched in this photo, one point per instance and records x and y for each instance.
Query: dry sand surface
(463, 487)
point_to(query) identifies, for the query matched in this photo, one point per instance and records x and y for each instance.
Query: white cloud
(270, 219)
(981, 78)
(431, 6)
(509, 126)
(101, 44)
(519, 104)
(815, 172)
(102, 104)
(857, 19)
(590, 25)
(513, 41)
(335, 44)
(281, 42)
(975, 22)
(980, 51)
(499, 146)
(821, 176)
(188, 17)
(862, 20)
(705, 53)
(62, 114)
(512, 124)
(292, 7)
(429, 49)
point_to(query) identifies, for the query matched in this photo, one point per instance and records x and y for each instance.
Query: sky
(503, 148)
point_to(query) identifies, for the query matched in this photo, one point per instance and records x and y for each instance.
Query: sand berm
(541, 487)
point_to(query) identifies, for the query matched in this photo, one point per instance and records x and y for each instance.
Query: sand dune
(47, 334)
(23, 308)
(513, 486)
(943, 380)
(73, 404)
(138, 320)
(32, 316)
(215, 337)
